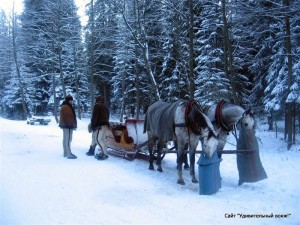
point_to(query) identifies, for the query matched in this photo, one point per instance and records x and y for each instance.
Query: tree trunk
(15, 53)
(92, 57)
(191, 51)
(76, 83)
(228, 55)
(137, 84)
(62, 79)
(54, 99)
(142, 42)
(289, 125)
(290, 72)
(123, 97)
(137, 74)
(78, 95)
(294, 123)
(270, 120)
(299, 117)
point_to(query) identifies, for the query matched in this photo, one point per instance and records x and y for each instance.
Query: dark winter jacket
(100, 115)
(67, 116)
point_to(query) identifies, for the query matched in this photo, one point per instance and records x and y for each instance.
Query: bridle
(235, 125)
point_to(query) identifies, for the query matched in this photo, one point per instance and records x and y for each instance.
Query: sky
(7, 6)
(39, 186)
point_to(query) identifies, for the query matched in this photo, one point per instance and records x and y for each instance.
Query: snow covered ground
(40, 186)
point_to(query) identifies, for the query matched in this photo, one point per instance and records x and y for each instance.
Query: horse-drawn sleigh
(183, 123)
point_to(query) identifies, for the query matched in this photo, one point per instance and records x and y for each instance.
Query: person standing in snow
(99, 124)
(68, 123)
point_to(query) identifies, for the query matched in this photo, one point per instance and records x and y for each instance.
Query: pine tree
(174, 84)
(123, 81)
(101, 46)
(212, 82)
(6, 61)
(51, 31)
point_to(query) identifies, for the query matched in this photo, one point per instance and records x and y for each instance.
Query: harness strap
(180, 125)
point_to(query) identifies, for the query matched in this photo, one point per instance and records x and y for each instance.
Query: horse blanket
(249, 165)
(159, 119)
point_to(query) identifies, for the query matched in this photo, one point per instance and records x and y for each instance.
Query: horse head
(247, 120)
(209, 142)
(202, 126)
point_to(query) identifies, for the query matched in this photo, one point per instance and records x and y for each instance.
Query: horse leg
(158, 160)
(192, 151)
(150, 148)
(180, 157)
(185, 158)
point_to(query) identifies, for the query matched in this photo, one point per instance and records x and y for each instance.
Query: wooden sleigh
(127, 140)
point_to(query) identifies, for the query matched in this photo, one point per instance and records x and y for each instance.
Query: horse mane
(194, 117)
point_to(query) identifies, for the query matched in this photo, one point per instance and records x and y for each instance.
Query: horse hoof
(181, 182)
(186, 167)
(151, 167)
(159, 169)
(195, 181)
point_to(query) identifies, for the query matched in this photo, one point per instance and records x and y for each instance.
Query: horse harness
(190, 110)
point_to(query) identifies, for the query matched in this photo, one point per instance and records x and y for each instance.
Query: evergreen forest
(135, 52)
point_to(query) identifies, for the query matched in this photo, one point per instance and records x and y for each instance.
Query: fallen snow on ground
(40, 186)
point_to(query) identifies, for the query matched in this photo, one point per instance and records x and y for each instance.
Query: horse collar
(218, 116)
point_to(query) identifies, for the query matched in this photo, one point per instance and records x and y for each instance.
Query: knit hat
(100, 99)
(69, 98)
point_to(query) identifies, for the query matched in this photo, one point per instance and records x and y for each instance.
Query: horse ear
(249, 112)
(207, 121)
(217, 132)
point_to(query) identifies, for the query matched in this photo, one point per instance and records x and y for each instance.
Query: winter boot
(102, 157)
(72, 156)
(91, 151)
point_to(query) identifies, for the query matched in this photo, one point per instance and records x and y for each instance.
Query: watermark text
(246, 216)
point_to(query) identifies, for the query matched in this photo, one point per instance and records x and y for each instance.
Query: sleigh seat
(120, 134)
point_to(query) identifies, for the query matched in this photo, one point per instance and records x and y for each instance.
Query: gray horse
(227, 117)
(184, 123)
